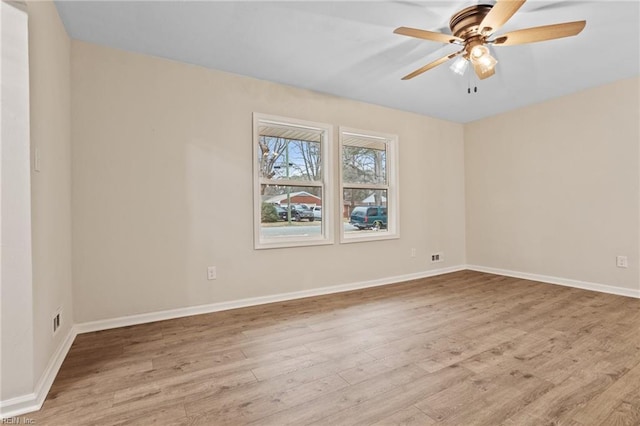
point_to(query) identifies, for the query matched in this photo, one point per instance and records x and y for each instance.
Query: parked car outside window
(317, 212)
(300, 212)
(369, 217)
(282, 212)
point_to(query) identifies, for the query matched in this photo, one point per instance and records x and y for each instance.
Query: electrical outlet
(437, 257)
(211, 273)
(413, 252)
(622, 262)
(36, 160)
(57, 320)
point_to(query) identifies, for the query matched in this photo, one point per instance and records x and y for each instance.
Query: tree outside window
(291, 182)
(368, 179)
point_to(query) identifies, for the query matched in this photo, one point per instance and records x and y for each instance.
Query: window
(368, 186)
(292, 182)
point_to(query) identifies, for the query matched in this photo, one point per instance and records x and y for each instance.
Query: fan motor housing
(466, 23)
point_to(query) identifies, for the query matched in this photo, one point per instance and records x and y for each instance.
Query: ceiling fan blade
(427, 35)
(546, 32)
(481, 72)
(431, 65)
(499, 15)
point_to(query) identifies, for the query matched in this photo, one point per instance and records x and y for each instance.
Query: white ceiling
(348, 49)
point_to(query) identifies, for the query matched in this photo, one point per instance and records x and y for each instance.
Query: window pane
(364, 161)
(290, 180)
(365, 210)
(282, 158)
(290, 211)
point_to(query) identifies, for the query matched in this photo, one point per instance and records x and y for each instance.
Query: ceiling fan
(473, 28)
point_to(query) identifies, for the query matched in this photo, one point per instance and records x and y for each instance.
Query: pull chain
(475, 87)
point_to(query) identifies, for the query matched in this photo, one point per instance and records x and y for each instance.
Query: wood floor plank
(462, 348)
(601, 407)
(370, 410)
(248, 410)
(508, 392)
(229, 398)
(566, 398)
(409, 416)
(159, 415)
(349, 397)
(626, 413)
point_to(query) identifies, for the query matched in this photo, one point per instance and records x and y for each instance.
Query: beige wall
(49, 62)
(553, 189)
(16, 307)
(162, 187)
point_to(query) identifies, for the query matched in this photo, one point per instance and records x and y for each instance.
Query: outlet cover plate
(622, 262)
(211, 273)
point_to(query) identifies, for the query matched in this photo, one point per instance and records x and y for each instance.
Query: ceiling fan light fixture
(459, 66)
(478, 51)
(487, 61)
(488, 65)
(473, 26)
(482, 58)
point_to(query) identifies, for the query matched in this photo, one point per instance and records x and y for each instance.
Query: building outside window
(368, 186)
(292, 182)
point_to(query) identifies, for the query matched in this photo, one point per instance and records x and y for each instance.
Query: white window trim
(393, 187)
(327, 235)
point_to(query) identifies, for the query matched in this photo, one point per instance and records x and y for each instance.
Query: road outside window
(292, 177)
(368, 186)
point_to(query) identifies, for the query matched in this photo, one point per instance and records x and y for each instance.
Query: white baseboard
(253, 301)
(33, 402)
(19, 405)
(602, 288)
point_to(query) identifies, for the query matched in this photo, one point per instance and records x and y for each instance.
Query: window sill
(291, 244)
(368, 237)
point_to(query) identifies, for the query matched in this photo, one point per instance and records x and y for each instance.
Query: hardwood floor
(459, 349)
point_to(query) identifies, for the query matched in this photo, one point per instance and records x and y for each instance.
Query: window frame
(325, 183)
(392, 186)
